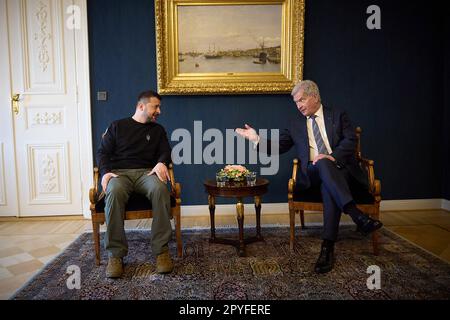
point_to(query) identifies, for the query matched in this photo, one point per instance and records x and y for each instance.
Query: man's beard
(151, 118)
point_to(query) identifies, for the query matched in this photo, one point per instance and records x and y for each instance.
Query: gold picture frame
(186, 64)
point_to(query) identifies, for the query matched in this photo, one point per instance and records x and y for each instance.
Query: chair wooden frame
(372, 210)
(98, 218)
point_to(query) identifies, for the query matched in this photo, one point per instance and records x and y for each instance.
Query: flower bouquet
(234, 172)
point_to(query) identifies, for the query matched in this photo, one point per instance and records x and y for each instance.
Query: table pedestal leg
(258, 217)
(240, 219)
(212, 209)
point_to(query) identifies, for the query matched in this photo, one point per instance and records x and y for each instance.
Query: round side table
(238, 190)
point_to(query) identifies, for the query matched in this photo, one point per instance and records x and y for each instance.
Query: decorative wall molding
(48, 173)
(43, 63)
(3, 201)
(42, 36)
(45, 116)
(48, 181)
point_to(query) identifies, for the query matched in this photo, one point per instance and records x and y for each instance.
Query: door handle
(15, 103)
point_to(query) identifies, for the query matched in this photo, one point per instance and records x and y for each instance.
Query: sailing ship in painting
(212, 54)
(262, 55)
(261, 58)
(267, 54)
(231, 38)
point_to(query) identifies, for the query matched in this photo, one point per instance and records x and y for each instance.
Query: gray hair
(309, 87)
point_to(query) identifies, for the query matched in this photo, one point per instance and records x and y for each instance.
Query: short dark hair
(148, 94)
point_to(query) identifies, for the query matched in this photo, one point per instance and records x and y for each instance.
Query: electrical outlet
(102, 96)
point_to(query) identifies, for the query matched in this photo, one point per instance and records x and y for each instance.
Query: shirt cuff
(255, 144)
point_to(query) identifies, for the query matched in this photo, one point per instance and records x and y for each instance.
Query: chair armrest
(93, 192)
(177, 193)
(296, 164)
(293, 181)
(175, 186)
(377, 190)
(172, 177)
(291, 188)
(374, 185)
(93, 197)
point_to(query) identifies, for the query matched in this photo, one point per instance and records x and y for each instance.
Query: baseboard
(413, 204)
(445, 204)
(282, 208)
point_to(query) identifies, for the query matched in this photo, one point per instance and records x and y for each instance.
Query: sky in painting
(232, 27)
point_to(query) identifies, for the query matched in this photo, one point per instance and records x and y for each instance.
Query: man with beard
(133, 157)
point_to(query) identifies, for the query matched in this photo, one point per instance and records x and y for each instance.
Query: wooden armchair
(138, 207)
(368, 202)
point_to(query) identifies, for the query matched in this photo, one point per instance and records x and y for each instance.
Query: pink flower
(236, 167)
(234, 171)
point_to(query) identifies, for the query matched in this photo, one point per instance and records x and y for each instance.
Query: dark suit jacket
(342, 138)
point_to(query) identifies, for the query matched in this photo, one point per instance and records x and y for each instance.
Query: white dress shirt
(313, 150)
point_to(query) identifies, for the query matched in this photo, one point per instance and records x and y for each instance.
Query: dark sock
(352, 210)
(328, 243)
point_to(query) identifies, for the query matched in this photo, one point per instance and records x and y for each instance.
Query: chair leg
(292, 228)
(96, 235)
(302, 219)
(178, 234)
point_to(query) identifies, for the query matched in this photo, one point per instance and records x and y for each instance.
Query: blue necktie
(318, 137)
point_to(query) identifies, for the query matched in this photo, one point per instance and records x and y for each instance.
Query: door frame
(84, 108)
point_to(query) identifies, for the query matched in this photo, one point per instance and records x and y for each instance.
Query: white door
(41, 138)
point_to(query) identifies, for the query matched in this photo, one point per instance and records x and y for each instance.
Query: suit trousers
(118, 192)
(334, 187)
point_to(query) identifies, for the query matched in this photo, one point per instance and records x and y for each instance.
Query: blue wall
(390, 81)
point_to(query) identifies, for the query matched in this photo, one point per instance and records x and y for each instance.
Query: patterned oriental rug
(270, 270)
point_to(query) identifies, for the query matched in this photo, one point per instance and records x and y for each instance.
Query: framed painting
(229, 46)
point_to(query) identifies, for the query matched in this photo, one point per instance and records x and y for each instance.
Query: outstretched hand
(161, 171)
(248, 133)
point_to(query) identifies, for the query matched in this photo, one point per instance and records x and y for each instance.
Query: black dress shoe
(326, 260)
(368, 226)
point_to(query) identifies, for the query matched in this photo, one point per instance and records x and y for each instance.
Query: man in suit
(133, 157)
(325, 142)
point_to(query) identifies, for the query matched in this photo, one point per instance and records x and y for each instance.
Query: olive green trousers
(117, 194)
